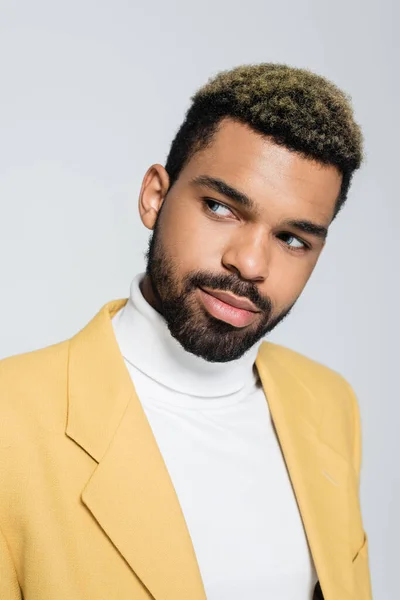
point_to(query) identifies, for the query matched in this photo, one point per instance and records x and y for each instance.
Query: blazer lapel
(130, 493)
(317, 472)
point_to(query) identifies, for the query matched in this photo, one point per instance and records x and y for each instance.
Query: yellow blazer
(87, 508)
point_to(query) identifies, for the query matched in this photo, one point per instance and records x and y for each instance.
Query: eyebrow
(220, 186)
(319, 231)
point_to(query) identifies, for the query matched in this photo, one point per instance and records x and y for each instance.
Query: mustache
(227, 283)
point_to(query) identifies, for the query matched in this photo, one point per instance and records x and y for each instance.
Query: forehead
(277, 179)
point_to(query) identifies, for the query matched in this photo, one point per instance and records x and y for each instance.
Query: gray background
(91, 93)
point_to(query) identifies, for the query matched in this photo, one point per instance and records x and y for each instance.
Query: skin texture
(204, 238)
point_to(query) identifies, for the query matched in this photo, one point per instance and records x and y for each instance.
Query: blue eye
(293, 242)
(217, 208)
(298, 243)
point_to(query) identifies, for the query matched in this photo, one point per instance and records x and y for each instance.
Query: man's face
(238, 237)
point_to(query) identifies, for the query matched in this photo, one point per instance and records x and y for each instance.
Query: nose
(247, 255)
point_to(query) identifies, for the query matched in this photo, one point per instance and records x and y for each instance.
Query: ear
(154, 188)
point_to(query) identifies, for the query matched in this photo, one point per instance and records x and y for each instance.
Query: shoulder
(27, 370)
(310, 372)
(33, 391)
(330, 400)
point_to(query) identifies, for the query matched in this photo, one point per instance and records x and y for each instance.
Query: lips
(234, 301)
(228, 308)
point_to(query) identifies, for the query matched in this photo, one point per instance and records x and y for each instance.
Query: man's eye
(217, 208)
(293, 242)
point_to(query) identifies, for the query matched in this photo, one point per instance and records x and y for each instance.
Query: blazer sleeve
(357, 443)
(361, 561)
(9, 587)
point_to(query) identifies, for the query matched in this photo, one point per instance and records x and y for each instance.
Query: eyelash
(208, 201)
(290, 248)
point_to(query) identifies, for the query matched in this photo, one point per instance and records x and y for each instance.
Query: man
(166, 451)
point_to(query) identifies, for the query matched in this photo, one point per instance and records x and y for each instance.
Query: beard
(188, 322)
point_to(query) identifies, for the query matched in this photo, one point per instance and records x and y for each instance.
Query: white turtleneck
(213, 427)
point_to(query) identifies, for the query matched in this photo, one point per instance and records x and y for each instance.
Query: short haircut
(293, 107)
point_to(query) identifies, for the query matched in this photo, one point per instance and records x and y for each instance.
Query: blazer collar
(130, 493)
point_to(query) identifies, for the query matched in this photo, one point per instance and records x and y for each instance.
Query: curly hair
(294, 107)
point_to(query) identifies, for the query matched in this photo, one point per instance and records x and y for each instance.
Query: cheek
(287, 278)
(190, 242)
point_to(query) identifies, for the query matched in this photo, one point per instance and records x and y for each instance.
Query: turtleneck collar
(146, 343)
